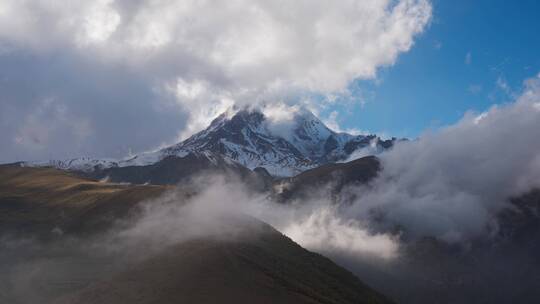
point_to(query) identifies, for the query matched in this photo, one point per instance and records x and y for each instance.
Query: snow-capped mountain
(252, 140)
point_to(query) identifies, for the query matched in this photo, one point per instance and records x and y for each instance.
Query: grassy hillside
(40, 200)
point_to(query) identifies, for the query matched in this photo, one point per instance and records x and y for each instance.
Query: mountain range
(246, 138)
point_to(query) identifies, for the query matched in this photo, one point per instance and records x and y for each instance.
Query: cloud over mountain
(189, 59)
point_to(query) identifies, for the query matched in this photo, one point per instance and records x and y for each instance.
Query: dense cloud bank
(79, 77)
(451, 183)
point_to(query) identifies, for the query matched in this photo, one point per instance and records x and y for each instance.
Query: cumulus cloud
(205, 55)
(450, 184)
(251, 44)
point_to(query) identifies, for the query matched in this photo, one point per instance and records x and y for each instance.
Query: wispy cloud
(468, 58)
(475, 88)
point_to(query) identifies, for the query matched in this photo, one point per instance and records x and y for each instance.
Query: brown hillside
(42, 199)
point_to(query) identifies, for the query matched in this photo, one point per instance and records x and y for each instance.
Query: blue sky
(436, 82)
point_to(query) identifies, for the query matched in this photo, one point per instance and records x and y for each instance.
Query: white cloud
(450, 184)
(333, 122)
(281, 118)
(99, 24)
(250, 51)
(325, 231)
(204, 103)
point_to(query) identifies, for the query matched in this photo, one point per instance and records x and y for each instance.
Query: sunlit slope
(44, 199)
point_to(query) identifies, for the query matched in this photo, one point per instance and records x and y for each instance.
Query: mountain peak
(284, 145)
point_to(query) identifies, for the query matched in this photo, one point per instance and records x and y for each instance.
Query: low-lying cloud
(451, 183)
(220, 205)
(324, 230)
